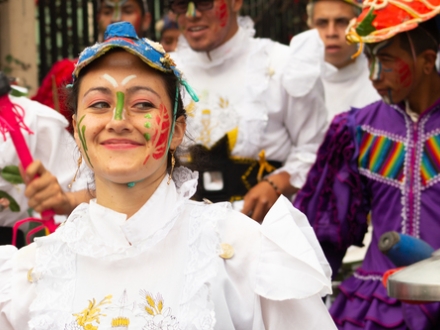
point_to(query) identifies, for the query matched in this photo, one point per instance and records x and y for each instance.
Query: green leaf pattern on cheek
(147, 136)
(81, 134)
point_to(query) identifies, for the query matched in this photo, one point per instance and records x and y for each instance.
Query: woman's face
(124, 119)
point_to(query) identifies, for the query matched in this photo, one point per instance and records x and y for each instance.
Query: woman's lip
(120, 144)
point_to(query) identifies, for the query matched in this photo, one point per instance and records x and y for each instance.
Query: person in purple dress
(383, 159)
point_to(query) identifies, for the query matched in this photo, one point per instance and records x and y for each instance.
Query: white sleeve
(305, 314)
(7, 252)
(306, 114)
(306, 121)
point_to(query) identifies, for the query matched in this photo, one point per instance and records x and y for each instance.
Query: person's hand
(44, 192)
(4, 204)
(259, 200)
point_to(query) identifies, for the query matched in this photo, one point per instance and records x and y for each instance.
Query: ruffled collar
(221, 54)
(145, 228)
(350, 72)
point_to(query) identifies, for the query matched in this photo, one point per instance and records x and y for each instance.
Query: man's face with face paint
(206, 30)
(392, 70)
(112, 11)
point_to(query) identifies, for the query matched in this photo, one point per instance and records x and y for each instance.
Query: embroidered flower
(153, 311)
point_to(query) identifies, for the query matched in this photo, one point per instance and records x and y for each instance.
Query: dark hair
(171, 82)
(139, 3)
(425, 36)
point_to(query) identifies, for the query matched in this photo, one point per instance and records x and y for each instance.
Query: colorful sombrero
(382, 19)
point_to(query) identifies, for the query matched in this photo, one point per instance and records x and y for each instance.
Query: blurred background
(34, 34)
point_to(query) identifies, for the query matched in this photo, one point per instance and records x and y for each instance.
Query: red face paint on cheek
(403, 70)
(222, 13)
(160, 137)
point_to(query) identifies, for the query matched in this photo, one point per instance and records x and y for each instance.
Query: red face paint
(403, 70)
(222, 13)
(160, 137)
(146, 159)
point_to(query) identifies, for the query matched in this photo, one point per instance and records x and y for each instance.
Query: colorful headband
(383, 19)
(123, 35)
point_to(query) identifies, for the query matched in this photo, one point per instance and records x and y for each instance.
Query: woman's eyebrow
(135, 89)
(104, 90)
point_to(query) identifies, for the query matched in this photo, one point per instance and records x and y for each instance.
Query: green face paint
(147, 125)
(191, 11)
(147, 136)
(120, 98)
(148, 116)
(81, 134)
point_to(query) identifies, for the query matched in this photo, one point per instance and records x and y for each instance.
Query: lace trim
(367, 277)
(204, 242)
(380, 178)
(391, 136)
(55, 265)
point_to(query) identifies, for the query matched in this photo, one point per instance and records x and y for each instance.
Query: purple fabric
(338, 195)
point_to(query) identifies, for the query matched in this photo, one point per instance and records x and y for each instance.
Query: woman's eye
(143, 105)
(100, 105)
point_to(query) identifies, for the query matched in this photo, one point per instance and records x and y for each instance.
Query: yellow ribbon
(264, 165)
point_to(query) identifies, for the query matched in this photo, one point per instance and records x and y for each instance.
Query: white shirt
(344, 88)
(240, 87)
(161, 269)
(50, 143)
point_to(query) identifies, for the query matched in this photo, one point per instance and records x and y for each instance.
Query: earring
(173, 162)
(76, 173)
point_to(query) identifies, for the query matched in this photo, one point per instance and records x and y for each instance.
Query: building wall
(18, 39)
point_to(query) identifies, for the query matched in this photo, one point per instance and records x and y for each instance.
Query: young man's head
(132, 11)
(207, 24)
(400, 64)
(331, 18)
(401, 46)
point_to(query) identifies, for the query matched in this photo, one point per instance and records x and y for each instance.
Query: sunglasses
(181, 6)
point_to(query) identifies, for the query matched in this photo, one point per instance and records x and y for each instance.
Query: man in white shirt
(261, 138)
(346, 80)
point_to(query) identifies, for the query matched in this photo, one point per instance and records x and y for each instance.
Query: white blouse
(175, 264)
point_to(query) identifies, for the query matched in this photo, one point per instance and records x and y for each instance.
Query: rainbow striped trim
(381, 155)
(430, 168)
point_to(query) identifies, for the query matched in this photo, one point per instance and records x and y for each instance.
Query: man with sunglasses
(259, 140)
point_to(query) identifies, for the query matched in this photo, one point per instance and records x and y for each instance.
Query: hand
(44, 192)
(4, 204)
(259, 200)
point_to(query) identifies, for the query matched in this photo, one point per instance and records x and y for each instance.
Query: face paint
(81, 134)
(191, 11)
(404, 73)
(117, 6)
(111, 80)
(222, 13)
(120, 98)
(127, 79)
(160, 137)
(376, 65)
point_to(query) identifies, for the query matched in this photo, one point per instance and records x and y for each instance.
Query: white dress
(50, 143)
(162, 269)
(241, 90)
(344, 88)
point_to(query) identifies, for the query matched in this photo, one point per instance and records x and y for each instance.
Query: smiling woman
(142, 254)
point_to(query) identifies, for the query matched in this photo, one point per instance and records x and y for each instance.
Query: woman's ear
(179, 132)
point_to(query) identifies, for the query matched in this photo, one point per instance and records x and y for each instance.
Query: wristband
(274, 186)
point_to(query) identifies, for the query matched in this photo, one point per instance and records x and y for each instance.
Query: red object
(12, 121)
(60, 74)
